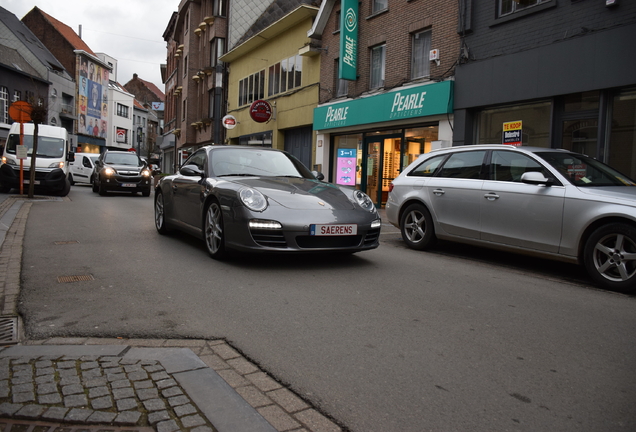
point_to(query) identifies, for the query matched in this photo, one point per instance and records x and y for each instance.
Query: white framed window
(122, 110)
(4, 105)
(507, 7)
(252, 88)
(285, 75)
(378, 56)
(17, 95)
(379, 5)
(421, 46)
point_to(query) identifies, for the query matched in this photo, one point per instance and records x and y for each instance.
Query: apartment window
(186, 22)
(121, 135)
(285, 75)
(377, 66)
(220, 8)
(183, 110)
(217, 49)
(185, 66)
(122, 110)
(420, 64)
(511, 6)
(379, 5)
(252, 88)
(4, 105)
(337, 22)
(341, 85)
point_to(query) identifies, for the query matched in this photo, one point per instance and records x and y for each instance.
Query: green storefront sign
(348, 40)
(403, 103)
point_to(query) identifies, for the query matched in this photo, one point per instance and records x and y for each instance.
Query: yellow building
(274, 78)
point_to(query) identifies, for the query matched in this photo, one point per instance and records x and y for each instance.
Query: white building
(120, 134)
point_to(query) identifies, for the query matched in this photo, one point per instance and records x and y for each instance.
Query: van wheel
(101, 190)
(70, 179)
(94, 182)
(5, 189)
(66, 189)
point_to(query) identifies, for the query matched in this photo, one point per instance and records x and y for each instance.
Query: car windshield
(254, 162)
(47, 147)
(584, 171)
(122, 159)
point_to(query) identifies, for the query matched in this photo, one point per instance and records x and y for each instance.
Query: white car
(82, 168)
(546, 202)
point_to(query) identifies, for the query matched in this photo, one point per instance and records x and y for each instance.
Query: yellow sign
(515, 125)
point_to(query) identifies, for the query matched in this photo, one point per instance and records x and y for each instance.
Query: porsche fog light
(376, 223)
(253, 199)
(264, 224)
(363, 200)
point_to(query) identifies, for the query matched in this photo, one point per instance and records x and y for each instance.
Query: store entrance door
(381, 164)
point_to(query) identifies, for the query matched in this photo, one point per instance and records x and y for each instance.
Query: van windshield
(47, 147)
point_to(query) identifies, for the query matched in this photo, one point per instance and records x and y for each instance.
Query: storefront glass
(622, 141)
(535, 118)
(348, 160)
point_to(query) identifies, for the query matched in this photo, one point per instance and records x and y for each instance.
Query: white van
(82, 168)
(51, 163)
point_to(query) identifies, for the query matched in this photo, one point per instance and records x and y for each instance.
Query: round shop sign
(260, 111)
(229, 122)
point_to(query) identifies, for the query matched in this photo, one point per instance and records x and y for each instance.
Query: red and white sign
(260, 111)
(229, 122)
(121, 135)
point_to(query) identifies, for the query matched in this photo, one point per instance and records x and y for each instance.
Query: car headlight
(253, 199)
(363, 200)
(145, 173)
(57, 165)
(108, 171)
(9, 161)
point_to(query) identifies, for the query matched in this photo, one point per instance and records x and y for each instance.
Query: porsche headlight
(108, 171)
(363, 200)
(253, 199)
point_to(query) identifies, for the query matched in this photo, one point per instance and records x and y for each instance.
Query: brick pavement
(168, 385)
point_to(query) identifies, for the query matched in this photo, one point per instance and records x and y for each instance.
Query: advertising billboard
(92, 99)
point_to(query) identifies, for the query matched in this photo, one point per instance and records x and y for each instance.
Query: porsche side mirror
(191, 171)
(318, 175)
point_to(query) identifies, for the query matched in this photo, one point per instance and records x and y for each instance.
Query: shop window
(285, 75)
(535, 120)
(252, 88)
(378, 55)
(507, 7)
(347, 160)
(418, 141)
(622, 140)
(16, 95)
(421, 46)
(581, 101)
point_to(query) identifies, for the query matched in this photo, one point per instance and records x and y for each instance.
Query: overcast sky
(128, 30)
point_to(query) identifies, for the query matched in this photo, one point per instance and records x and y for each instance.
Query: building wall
(394, 27)
(52, 39)
(293, 108)
(243, 14)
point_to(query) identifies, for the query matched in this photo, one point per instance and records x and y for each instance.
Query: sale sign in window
(512, 133)
(346, 167)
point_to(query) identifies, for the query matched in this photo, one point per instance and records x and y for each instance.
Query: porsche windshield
(584, 171)
(240, 162)
(47, 147)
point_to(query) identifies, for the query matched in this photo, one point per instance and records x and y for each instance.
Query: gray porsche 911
(263, 200)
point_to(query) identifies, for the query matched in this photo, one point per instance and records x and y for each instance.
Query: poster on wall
(346, 167)
(92, 99)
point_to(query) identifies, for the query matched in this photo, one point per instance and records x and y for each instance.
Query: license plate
(333, 230)
(36, 182)
(129, 185)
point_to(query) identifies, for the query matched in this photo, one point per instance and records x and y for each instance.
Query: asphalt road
(455, 339)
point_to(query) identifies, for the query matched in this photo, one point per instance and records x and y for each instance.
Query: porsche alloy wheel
(213, 231)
